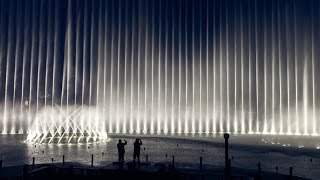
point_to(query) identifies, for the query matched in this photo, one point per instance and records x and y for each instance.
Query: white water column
(160, 66)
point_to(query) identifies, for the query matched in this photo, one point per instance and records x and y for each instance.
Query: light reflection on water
(246, 150)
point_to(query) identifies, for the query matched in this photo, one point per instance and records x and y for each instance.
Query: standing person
(121, 150)
(136, 152)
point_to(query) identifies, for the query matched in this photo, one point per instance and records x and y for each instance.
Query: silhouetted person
(121, 150)
(136, 152)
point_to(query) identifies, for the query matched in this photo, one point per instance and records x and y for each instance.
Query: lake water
(247, 150)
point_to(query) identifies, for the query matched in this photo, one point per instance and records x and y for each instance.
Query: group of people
(136, 151)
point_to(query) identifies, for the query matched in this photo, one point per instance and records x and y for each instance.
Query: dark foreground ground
(146, 171)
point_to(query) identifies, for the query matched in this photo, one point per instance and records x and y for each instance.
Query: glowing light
(65, 129)
(154, 72)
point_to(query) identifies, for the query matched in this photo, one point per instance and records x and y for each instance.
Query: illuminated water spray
(76, 73)
(66, 127)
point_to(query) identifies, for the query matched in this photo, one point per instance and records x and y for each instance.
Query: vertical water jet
(146, 73)
(16, 65)
(296, 66)
(250, 73)
(214, 129)
(242, 69)
(111, 71)
(99, 59)
(49, 61)
(200, 69)
(40, 51)
(305, 96)
(314, 131)
(207, 68)
(55, 57)
(19, 40)
(235, 71)
(186, 127)
(288, 71)
(159, 73)
(221, 70)
(33, 52)
(92, 59)
(280, 68)
(24, 59)
(166, 74)
(257, 65)
(118, 68)
(227, 62)
(2, 54)
(132, 62)
(139, 47)
(77, 56)
(180, 61)
(152, 69)
(193, 72)
(124, 130)
(265, 68)
(84, 74)
(172, 70)
(273, 69)
(48, 54)
(105, 65)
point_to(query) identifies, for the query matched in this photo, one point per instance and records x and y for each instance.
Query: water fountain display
(88, 68)
(67, 125)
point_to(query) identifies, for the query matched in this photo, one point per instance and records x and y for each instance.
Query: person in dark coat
(136, 152)
(121, 150)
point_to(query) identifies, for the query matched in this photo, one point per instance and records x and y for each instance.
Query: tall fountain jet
(88, 68)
